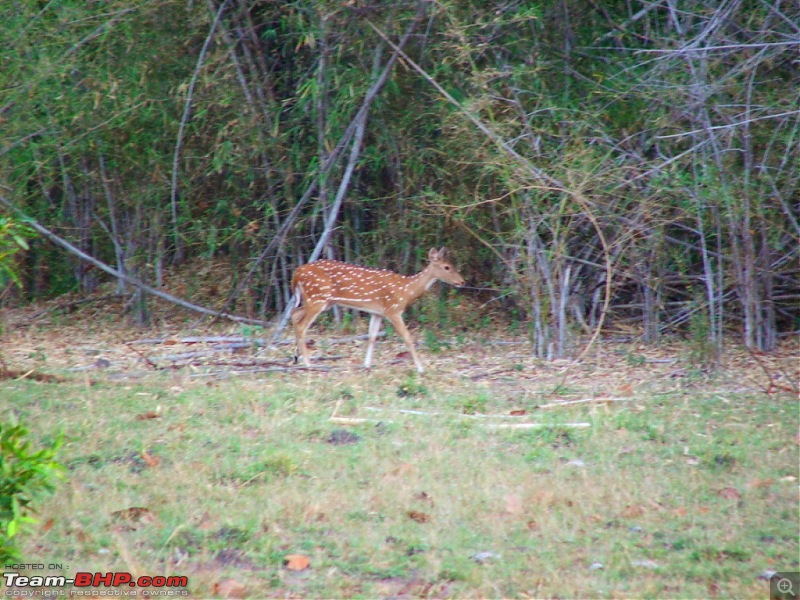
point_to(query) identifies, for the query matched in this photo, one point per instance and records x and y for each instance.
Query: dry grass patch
(233, 476)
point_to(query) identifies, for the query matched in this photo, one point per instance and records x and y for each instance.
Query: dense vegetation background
(588, 159)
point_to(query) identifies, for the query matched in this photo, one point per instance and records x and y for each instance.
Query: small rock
(647, 564)
(340, 437)
(596, 566)
(484, 557)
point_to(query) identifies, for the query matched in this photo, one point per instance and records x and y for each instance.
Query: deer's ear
(433, 254)
(443, 252)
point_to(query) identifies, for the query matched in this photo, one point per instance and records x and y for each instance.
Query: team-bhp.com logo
(91, 584)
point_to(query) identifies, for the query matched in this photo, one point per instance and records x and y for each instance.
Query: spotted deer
(325, 283)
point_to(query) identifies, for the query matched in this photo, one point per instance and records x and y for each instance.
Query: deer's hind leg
(374, 328)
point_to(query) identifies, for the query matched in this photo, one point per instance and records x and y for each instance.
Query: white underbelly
(363, 305)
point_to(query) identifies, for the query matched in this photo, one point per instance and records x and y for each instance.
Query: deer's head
(442, 268)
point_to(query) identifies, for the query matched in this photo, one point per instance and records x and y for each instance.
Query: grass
(236, 475)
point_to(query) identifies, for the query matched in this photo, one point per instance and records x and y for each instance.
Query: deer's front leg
(302, 318)
(400, 326)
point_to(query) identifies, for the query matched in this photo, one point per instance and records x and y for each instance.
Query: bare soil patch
(93, 341)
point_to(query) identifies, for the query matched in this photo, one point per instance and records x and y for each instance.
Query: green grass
(246, 474)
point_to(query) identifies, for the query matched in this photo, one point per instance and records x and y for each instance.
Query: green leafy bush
(25, 475)
(12, 240)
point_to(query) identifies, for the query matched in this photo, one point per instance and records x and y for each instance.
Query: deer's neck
(418, 284)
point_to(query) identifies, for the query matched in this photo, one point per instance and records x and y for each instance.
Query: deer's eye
(447, 267)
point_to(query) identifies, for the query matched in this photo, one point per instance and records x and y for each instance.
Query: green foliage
(701, 351)
(25, 476)
(634, 360)
(411, 387)
(274, 466)
(475, 404)
(432, 341)
(118, 135)
(12, 241)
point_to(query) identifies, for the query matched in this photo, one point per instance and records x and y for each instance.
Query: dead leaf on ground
(150, 460)
(296, 562)
(229, 588)
(403, 470)
(518, 412)
(632, 511)
(419, 517)
(81, 535)
(48, 525)
(207, 522)
(758, 483)
(729, 493)
(424, 497)
(147, 416)
(135, 514)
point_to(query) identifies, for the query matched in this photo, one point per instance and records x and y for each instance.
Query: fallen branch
(228, 372)
(355, 421)
(238, 339)
(362, 421)
(59, 241)
(184, 356)
(212, 339)
(335, 418)
(773, 386)
(537, 425)
(31, 374)
(424, 413)
(141, 355)
(491, 373)
(569, 402)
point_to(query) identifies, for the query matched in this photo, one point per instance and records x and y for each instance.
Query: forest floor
(637, 471)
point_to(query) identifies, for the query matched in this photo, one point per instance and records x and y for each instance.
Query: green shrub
(12, 240)
(25, 475)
